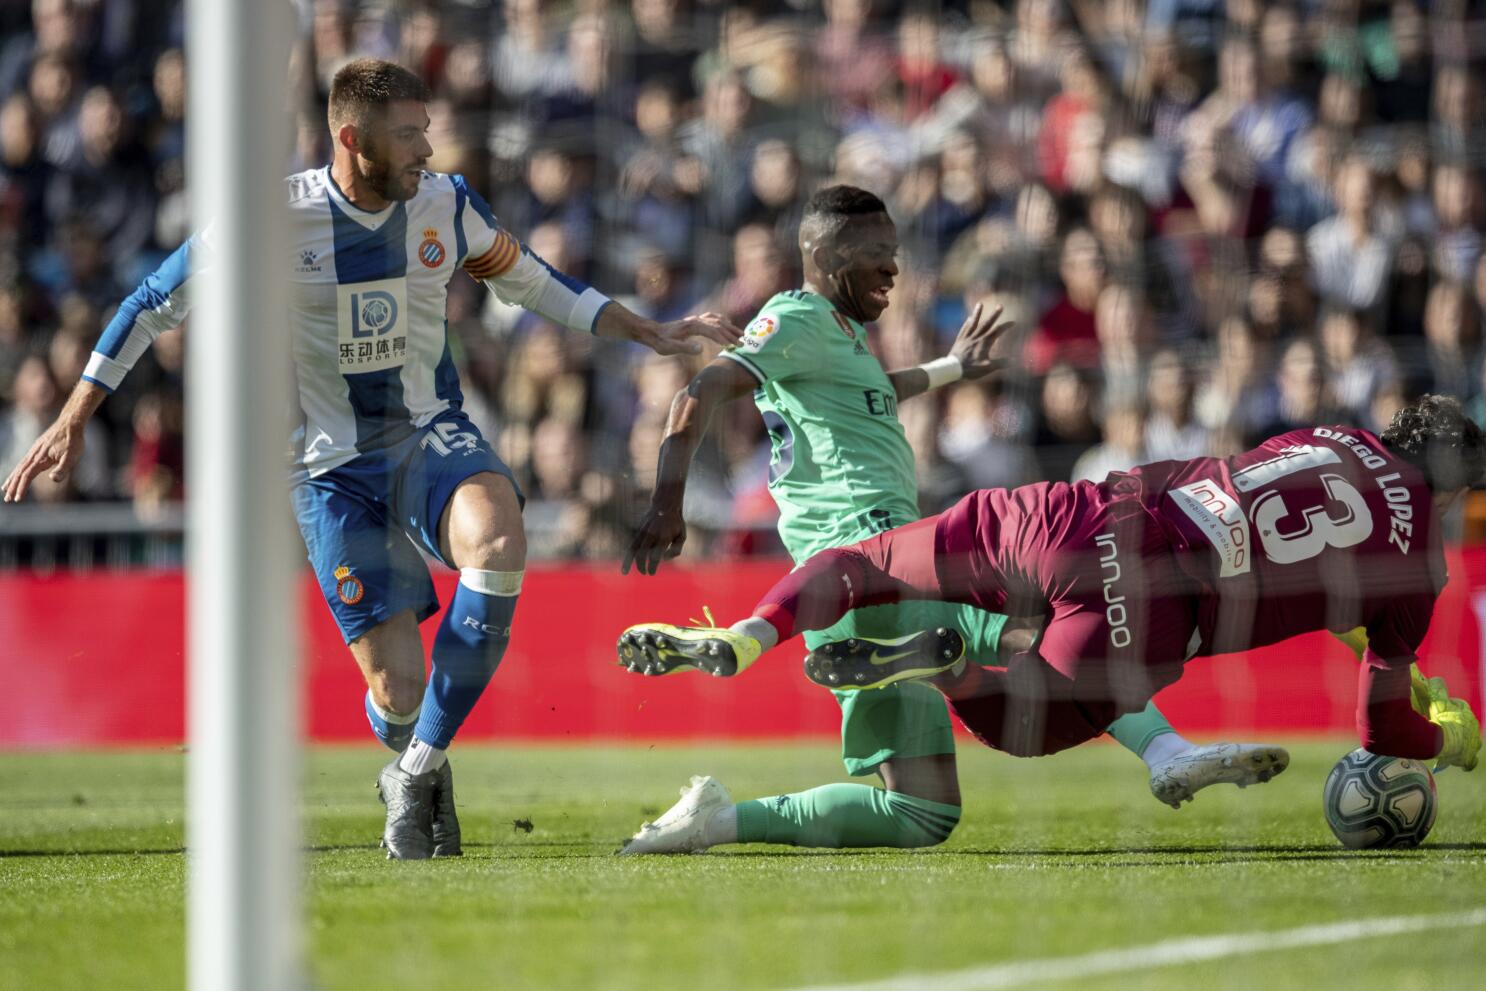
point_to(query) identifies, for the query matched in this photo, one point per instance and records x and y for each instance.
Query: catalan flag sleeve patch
(498, 260)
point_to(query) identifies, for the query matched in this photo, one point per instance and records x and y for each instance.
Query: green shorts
(909, 719)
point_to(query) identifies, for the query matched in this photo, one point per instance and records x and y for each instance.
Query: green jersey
(840, 465)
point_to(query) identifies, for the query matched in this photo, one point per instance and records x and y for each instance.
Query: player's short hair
(364, 87)
(831, 208)
(1434, 435)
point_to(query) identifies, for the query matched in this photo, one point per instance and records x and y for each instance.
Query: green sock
(845, 815)
(1136, 730)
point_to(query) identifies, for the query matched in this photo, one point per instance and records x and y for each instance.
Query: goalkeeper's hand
(1423, 691)
(1461, 731)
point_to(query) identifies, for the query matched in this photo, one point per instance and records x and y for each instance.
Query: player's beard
(389, 184)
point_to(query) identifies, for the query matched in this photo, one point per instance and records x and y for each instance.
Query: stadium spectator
(1358, 366)
(924, 75)
(1299, 394)
(1066, 331)
(157, 459)
(1123, 325)
(973, 439)
(1456, 237)
(24, 173)
(663, 49)
(1351, 253)
(1066, 425)
(759, 271)
(57, 26)
(109, 181)
(850, 57)
(1452, 334)
(35, 402)
(1122, 448)
(1172, 432)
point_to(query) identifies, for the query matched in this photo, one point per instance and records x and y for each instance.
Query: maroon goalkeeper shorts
(1120, 616)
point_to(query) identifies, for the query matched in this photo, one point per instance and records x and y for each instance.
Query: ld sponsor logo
(372, 325)
(372, 313)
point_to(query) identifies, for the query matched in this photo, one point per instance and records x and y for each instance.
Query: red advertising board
(97, 658)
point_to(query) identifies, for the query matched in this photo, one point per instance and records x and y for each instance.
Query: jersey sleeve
(515, 274)
(159, 304)
(776, 345)
(1396, 629)
(1386, 721)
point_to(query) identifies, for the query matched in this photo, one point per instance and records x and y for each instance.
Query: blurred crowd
(1212, 220)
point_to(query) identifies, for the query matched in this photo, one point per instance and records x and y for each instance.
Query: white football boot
(683, 827)
(1176, 780)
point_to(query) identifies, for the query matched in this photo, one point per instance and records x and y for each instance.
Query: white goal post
(243, 784)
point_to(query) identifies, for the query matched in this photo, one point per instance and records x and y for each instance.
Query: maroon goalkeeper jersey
(1319, 528)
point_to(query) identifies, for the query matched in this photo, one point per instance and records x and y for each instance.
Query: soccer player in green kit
(841, 470)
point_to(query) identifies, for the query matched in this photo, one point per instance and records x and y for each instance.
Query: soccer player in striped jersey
(385, 462)
(842, 470)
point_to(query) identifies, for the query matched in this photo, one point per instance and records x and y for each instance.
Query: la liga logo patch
(760, 330)
(348, 586)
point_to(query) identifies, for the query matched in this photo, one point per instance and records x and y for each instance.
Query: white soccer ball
(1373, 801)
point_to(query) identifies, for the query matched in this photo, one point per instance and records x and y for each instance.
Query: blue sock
(468, 648)
(393, 730)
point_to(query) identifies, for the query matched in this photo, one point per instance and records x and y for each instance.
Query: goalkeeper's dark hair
(1434, 435)
(831, 208)
(365, 86)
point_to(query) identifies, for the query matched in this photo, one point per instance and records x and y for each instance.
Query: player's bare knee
(397, 692)
(501, 550)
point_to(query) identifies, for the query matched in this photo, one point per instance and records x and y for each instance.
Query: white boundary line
(1163, 954)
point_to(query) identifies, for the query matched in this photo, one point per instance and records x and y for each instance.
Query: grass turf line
(1055, 857)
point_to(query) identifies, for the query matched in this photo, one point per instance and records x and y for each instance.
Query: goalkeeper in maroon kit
(1330, 528)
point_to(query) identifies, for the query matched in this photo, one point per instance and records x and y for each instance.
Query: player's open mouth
(879, 295)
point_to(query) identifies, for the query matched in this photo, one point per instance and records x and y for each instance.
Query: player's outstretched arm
(519, 277)
(970, 357)
(160, 303)
(684, 336)
(662, 532)
(59, 448)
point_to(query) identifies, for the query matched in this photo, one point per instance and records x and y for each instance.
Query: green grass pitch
(1055, 857)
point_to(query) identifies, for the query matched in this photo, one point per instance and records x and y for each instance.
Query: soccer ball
(1373, 801)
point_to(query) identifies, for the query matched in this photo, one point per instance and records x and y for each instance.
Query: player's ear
(824, 257)
(349, 138)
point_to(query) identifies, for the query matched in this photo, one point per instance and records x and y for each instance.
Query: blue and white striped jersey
(370, 341)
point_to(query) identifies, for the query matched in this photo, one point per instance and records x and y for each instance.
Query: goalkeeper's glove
(1423, 691)
(1461, 731)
